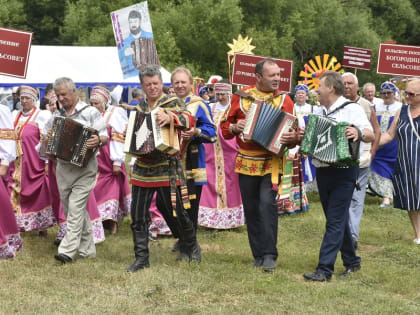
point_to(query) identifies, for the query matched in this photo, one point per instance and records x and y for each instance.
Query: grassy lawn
(225, 282)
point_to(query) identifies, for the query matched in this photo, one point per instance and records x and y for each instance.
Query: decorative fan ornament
(240, 45)
(313, 70)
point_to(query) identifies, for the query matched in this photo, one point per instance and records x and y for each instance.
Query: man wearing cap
(194, 155)
(351, 85)
(210, 87)
(382, 167)
(76, 183)
(259, 171)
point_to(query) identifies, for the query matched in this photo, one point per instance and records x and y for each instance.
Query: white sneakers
(416, 241)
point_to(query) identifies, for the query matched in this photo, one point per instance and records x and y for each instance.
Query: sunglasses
(386, 93)
(410, 94)
(210, 89)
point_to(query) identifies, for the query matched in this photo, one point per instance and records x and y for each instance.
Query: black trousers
(140, 215)
(192, 212)
(336, 186)
(260, 209)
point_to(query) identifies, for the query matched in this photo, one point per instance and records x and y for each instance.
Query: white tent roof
(84, 65)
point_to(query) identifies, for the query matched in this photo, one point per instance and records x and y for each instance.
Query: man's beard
(135, 31)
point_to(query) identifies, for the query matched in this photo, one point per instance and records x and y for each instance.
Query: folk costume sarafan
(10, 240)
(112, 191)
(194, 158)
(28, 180)
(164, 174)
(259, 173)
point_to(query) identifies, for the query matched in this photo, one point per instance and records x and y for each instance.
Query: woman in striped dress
(406, 181)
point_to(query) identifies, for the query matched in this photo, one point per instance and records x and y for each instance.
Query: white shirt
(393, 108)
(351, 113)
(116, 118)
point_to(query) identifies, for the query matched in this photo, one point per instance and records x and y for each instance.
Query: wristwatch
(100, 144)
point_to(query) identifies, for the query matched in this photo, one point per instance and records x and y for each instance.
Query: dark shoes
(258, 262)
(196, 253)
(269, 264)
(64, 259)
(194, 256)
(137, 265)
(176, 246)
(355, 244)
(317, 276)
(349, 271)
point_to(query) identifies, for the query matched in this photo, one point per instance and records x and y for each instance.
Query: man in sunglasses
(382, 167)
(210, 88)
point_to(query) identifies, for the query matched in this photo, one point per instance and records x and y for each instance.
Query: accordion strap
(171, 128)
(63, 112)
(339, 107)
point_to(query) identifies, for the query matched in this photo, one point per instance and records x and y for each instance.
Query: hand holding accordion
(325, 139)
(68, 141)
(265, 125)
(145, 136)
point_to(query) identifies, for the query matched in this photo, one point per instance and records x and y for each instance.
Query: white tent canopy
(86, 66)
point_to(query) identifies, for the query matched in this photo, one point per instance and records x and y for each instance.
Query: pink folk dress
(221, 203)
(28, 180)
(10, 240)
(112, 192)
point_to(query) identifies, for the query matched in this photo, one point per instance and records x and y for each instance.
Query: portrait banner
(15, 46)
(134, 38)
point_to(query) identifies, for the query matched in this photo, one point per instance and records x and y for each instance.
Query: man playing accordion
(75, 183)
(336, 184)
(259, 170)
(163, 173)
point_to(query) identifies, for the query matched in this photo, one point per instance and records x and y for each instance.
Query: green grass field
(225, 282)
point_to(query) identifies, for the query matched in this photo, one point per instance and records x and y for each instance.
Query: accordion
(265, 125)
(144, 136)
(68, 141)
(326, 141)
(144, 52)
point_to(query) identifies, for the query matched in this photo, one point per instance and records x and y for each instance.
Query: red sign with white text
(354, 57)
(15, 46)
(244, 71)
(399, 60)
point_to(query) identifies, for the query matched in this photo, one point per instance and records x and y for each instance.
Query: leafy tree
(11, 15)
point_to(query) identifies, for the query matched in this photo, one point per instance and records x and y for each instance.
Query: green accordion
(325, 140)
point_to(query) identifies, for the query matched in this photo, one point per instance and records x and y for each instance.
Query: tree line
(195, 33)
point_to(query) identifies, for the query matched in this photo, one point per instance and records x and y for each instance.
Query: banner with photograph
(134, 38)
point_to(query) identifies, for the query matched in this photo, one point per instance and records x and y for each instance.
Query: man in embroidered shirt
(162, 173)
(259, 170)
(336, 185)
(75, 183)
(194, 155)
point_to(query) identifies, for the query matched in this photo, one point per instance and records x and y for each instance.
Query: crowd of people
(218, 179)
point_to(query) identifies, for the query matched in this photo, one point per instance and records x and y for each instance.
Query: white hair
(349, 74)
(366, 85)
